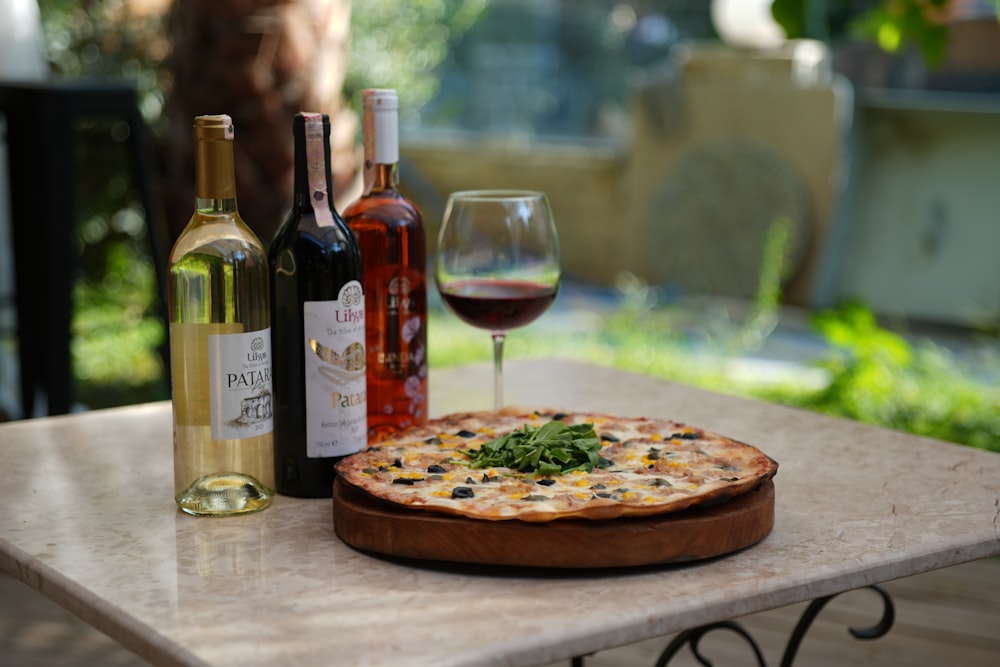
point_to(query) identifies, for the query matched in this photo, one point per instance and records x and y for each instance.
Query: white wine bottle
(220, 344)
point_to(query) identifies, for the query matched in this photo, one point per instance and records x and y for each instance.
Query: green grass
(879, 377)
(454, 343)
(875, 376)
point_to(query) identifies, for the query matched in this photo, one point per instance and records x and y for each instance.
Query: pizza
(543, 465)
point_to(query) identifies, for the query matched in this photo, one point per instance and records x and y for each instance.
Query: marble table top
(89, 520)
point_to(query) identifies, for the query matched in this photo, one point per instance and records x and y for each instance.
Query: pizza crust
(657, 466)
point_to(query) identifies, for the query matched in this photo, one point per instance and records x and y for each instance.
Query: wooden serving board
(369, 524)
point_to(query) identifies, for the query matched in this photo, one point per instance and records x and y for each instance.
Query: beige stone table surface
(89, 520)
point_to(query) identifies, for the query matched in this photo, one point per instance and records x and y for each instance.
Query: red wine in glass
(497, 263)
(498, 305)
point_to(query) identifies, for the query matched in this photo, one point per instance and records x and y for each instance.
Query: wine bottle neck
(380, 126)
(215, 176)
(313, 183)
(384, 177)
(215, 206)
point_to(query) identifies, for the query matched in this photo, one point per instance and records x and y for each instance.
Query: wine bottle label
(316, 168)
(336, 385)
(405, 328)
(399, 342)
(239, 379)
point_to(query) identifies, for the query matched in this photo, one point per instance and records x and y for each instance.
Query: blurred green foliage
(100, 39)
(400, 44)
(116, 340)
(879, 377)
(875, 376)
(117, 325)
(892, 24)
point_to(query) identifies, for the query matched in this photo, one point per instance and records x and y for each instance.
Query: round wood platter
(368, 524)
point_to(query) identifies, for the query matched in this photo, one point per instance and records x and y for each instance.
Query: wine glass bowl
(497, 262)
(498, 305)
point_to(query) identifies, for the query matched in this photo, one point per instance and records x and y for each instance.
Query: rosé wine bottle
(390, 232)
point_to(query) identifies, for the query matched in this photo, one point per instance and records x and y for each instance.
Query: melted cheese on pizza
(656, 466)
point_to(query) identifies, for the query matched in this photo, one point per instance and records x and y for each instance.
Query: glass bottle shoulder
(388, 207)
(301, 228)
(221, 235)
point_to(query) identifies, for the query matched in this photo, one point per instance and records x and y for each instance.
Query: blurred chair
(41, 121)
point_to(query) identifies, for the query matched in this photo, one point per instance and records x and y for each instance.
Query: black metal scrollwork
(693, 637)
(812, 611)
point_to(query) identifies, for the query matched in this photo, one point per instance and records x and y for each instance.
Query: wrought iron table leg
(880, 629)
(694, 636)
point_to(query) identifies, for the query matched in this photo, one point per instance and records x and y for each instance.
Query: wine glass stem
(498, 338)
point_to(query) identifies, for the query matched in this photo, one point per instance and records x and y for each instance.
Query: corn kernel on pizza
(542, 465)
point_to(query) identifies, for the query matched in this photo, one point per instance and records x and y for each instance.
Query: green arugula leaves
(552, 449)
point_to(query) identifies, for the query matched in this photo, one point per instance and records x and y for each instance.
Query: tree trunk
(261, 62)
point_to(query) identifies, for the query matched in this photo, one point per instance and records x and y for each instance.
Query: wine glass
(497, 263)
